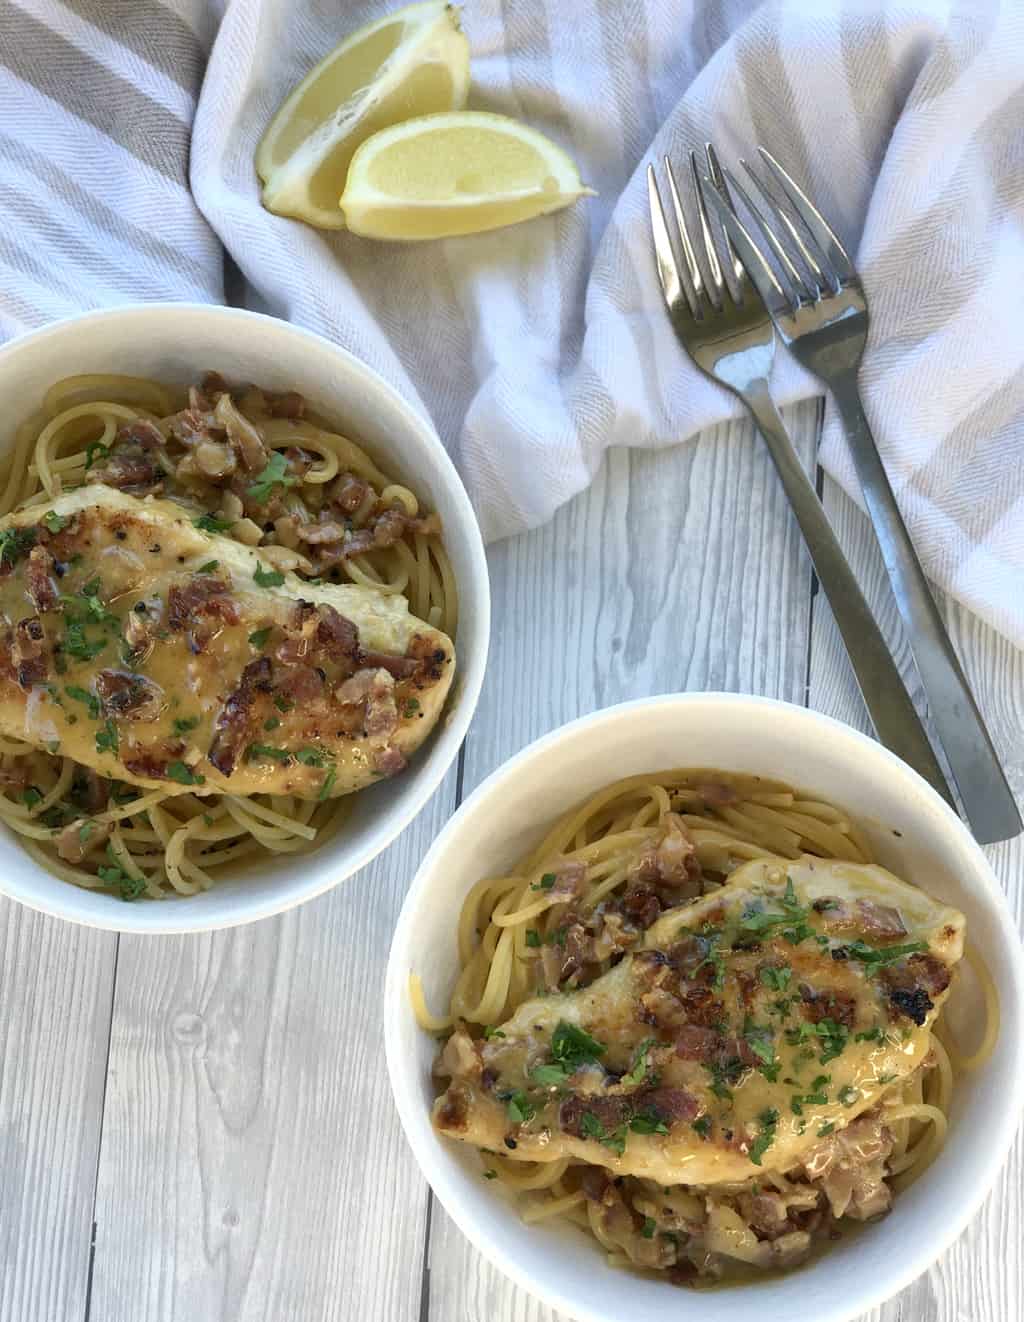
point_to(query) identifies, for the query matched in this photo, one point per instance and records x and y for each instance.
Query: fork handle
(885, 695)
(987, 798)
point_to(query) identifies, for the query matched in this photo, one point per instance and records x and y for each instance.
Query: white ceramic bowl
(177, 342)
(507, 814)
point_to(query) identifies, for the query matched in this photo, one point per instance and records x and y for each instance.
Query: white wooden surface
(201, 1129)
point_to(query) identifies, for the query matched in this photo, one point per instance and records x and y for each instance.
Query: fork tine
(754, 263)
(718, 179)
(696, 278)
(714, 269)
(672, 286)
(774, 207)
(797, 289)
(825, 237)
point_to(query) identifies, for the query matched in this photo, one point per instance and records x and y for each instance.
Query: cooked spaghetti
(247, 468)
(693, 1021)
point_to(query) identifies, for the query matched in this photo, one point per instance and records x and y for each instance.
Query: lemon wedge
(458, 173)
(409, 63)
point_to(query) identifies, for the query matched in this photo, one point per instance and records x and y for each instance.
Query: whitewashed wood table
(200, 1128)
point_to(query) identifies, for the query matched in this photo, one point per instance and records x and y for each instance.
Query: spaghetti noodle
(509, 932)
(321, 508)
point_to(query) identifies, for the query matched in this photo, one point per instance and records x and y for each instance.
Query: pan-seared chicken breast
(743, 1030)
(160, 654)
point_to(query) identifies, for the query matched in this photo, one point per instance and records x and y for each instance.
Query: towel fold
(126, 173)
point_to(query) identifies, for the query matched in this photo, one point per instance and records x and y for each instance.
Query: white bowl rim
(432, 1159)
(172, 918)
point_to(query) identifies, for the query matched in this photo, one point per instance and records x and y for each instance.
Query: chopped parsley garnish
(78, 645)
(313, 757)
(648, 1122)
(723, 1073)
(183, 724)
(548, 1076)
(641, 1064)
(209, 568)
(760, 1041)
(816, 1097)
(490, 1031)
(713, 959)
(769, 1121)
(83, 695)
(275, 474)
(848, 1094)
(545, 883)
(412, 706)
(267, 750)
(826, 1128)
(886, 1078)
(532, 938)
(272, 722)
(702, 1125)
(649, 1227)
(92, 450)
(490, 1175)
(869, 1035)
(518, 1107)
(877, 958)
(53, 745)
(184, 774)
(776, 978)
(572, 1047)
(210, 523)
(258, 637)
(55, 522)
(106, 739)
(85, 831)
(130, 888)
(328, 785)
(591, 1127)
(268, 578)
(282, 703)
(31, 796)
(15, 543)
(834, 1037)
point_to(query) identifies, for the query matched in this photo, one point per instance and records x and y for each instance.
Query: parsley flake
(268, 578)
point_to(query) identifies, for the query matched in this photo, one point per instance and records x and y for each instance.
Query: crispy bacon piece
(911, 984)
(389, 761)
(28, 654)
(374, 692)
(337, 636)
(672, 863)
(129, 697)
(231, 730)
(133, 464)
(41, 586)
(80, 837)
(203, 596)
(348, 492)
(382, 531)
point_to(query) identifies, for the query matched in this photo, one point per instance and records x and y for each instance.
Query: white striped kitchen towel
(126, 171)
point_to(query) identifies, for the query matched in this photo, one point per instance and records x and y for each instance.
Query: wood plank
(982, 1275)
(56, 982)
(253, 1165)
(677, 570)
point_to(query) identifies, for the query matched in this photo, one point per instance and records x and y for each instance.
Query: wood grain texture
(982, 1275)
(679, 570)
(55, 987)
(252, 1164)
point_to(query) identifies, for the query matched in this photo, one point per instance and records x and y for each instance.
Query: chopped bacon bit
(671, 1104)
(695, 1042)
(284, 404)
(569, 881)
(128, 696)
(304, 685)
(42, 589)
(348, 492)
(641, 906)
(80, 837)
(152, 763)
(374, 691)
(201, 596)
(29, 652)
(671, 864)
(337, 635)
(133, 464)
(826, 1004)
(317, 534)
(389, 761)
(231, 729)
(879, 921)
(401, 667)
(911, 984)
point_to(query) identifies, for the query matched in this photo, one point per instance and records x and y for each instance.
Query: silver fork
(821, 313)
(729, 336)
